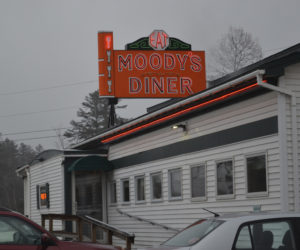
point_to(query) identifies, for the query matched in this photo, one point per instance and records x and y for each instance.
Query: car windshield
(193, 233)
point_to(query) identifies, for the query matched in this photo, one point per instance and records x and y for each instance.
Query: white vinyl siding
(244, 112)
(49, 171)
(180, 213)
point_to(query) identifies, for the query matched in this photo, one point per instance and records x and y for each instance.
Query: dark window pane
(175, 183)
(198, 181)
(126, 195)
(156, 186)
(140, 189)
(224, 178)
(256, 173)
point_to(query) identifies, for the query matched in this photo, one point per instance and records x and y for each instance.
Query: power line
(46, 88)
(35, 138)
(34, 131)
(38, 112)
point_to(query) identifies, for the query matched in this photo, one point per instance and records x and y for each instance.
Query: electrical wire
(34, 131)
(38, 112)
(46, 88)
(35, 138)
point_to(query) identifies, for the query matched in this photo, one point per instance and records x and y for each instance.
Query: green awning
(91, 163)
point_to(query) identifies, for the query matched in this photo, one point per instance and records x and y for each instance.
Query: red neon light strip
(178, 113)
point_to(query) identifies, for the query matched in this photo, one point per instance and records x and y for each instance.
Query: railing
(94, 223)
(147, 221)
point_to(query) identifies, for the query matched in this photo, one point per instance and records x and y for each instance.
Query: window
(15, 231)
(198, 181)
(113, 192)
(266, 235)
(140, 188)
(125, 190)
(42, 196)
(175, 184)
(225, 178)
(156, 186)
(256, 174)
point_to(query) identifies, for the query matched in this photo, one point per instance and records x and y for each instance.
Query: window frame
(224, 196)
(122, 190)
(151, 187)
(136, 178)
(199, 198)
(176, 198)
(46, 186)
(261, 193)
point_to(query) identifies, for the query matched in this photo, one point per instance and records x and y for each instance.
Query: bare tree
(236, 49)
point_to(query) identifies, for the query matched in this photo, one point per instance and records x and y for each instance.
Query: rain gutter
(294, 133)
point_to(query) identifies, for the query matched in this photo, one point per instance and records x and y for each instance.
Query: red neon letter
(157, 85)
(169, 61)
(171, 85)
(127, 63)
(137, 61)
(182, 61)
(196, 63)
(158, 60)
(135, 85)
(152, 39)
(185, 84)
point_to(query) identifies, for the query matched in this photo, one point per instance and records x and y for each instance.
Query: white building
(236, 148)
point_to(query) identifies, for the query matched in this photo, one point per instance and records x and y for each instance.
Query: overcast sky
(48, 49)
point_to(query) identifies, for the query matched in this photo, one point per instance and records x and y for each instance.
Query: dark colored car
(19, 233)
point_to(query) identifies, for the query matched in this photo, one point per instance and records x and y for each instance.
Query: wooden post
(94, 233)
(43, 221)
(80, 230)
(109, 237)
(50, 224)
(128, 243)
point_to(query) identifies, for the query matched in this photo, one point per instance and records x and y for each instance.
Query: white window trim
(225, 196)
(256, 194)
(151, 187)
(122, 191)
(111, 183)
(136, 178)
(169, 185)
(199, 198)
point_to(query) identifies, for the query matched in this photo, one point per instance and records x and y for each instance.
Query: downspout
(28, 204)
(294, 133)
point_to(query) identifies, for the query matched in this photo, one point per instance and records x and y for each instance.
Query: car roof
(252, 216)
(5, 209)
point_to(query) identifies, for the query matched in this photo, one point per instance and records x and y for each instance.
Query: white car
(251, 231)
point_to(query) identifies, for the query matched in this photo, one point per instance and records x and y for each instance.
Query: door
(88, 195)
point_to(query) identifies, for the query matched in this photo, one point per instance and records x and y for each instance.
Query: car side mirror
(46, 241)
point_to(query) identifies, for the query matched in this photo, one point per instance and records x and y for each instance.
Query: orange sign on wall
(150, 73)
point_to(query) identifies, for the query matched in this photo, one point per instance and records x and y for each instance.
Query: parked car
(19, 233)
(251, 231)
